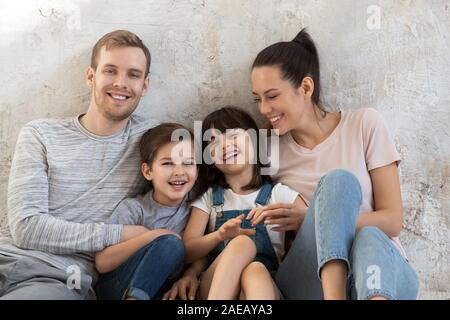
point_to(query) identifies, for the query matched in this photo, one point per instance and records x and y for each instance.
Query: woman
(346, 165)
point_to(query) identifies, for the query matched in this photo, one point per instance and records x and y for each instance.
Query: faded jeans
(376, 267)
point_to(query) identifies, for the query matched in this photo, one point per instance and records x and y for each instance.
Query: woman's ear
(307, 87)
(147, 171)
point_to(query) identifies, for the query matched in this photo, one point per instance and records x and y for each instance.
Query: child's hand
(232, 228)
(185, 288)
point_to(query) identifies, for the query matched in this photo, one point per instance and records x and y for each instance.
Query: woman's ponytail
(297, 59)
(304, 39)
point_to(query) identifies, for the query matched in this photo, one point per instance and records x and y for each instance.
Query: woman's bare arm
(388, 213)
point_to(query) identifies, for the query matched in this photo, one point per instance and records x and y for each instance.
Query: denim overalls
(264, 248)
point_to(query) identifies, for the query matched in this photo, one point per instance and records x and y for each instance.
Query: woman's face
(281, 103)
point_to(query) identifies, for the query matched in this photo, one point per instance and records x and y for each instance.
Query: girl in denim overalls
(242, 256)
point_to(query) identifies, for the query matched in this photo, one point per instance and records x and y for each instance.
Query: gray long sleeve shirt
(64, 184)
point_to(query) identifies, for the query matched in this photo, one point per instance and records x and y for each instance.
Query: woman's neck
(240, 179)
(315, 128)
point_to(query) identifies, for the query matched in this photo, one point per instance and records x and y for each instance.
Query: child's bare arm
(113, 256)
(199, 245)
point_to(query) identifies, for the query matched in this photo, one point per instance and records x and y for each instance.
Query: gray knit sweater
(64, 184)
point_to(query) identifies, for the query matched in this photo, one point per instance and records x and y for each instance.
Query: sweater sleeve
(31, 225)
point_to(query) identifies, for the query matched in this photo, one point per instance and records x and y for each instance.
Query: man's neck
(98, 124)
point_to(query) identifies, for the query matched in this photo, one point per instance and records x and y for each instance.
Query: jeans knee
(338, 197)
(171, 244)
(340, 179)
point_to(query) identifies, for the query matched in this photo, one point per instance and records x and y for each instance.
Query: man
(68, 175)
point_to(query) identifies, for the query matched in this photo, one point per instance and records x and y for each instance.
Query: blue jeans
(147, 273)
(376, 267)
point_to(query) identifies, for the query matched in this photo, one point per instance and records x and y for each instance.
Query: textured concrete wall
(391, 55)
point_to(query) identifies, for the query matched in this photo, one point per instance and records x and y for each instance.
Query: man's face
(119, 82)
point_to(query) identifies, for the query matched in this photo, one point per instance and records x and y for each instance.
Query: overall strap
(217, 196)
(264, 194)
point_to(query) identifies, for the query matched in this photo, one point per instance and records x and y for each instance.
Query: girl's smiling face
(173, 172)
(232, 151)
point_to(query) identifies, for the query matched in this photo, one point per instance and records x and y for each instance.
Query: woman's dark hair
(297, 59)
(228, 117)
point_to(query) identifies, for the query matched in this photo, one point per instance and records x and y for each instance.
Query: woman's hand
(286, 216)
(232, 228)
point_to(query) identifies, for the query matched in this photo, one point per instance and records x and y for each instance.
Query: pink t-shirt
(361, 142)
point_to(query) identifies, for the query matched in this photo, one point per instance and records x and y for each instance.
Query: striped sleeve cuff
(113, 234)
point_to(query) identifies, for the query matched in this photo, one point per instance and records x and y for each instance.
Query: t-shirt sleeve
(379, 147)
(283, 194)
(128, 212)
(204, 202)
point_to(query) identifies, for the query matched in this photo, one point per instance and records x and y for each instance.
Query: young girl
(141, 267)
(243, 256)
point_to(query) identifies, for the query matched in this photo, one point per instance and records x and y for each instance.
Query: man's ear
(147, 171)
(146, 86)
(90, 76)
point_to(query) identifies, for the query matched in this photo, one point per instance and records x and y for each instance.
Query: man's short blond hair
(117, 39)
